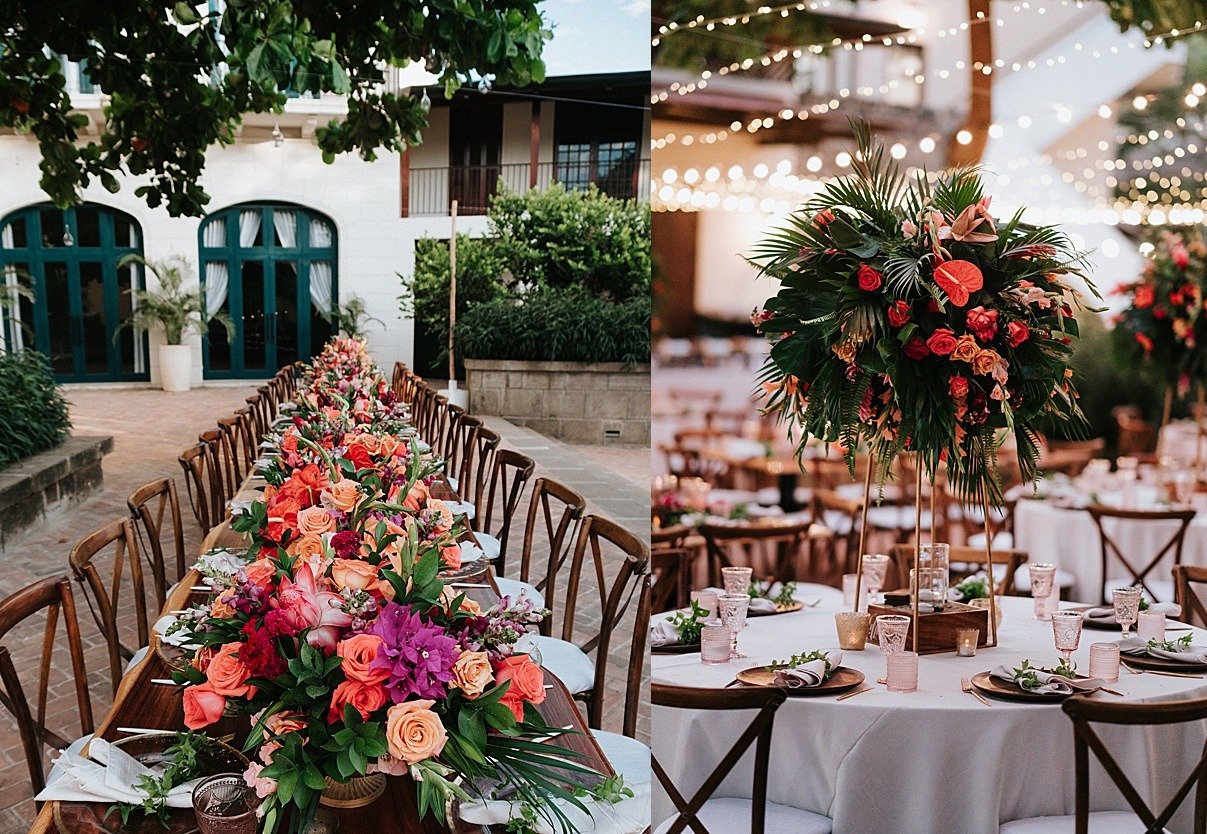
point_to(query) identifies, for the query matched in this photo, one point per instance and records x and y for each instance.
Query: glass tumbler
(902, 671)
(737, 580)
(716, 643)
(1042, 579)
(934, 566)
(1104, 661)
(225, 804)
(1151, 626)
(1127, 607)
(892, 630)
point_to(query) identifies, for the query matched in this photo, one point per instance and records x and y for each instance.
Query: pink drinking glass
(892, 630)
(902, 671)
(1066, 632)
(1104, 661)
(1042, 577)
(1127, 607)
(737, 580)
(875, 569)
(733, 608)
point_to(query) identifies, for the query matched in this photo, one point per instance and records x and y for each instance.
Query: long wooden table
(140, 703)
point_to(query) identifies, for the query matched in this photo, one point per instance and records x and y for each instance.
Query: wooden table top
(140, 703)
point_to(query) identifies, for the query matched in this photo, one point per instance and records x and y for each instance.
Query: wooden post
(918, 549)
(863, 530)
(534, 149)
(404, 183)
(452, 293)
(980, 87)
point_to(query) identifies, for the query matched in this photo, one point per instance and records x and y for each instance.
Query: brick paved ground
(150, 429)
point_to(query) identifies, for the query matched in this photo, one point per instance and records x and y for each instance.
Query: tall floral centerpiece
(910, 319)
(1162, 333)
(340, 638)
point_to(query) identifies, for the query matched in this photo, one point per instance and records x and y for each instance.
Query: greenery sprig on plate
(690, 623)
(1027, 675)
(184, 767)
(1182, 644)
(785, 597)
(802, 659)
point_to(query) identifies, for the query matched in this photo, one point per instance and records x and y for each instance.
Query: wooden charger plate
(675, 648)
(1013, 692)
(842, 679)
(781, 609)
(1160, 664)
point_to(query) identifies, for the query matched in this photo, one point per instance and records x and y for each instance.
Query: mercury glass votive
(902, 671)
(853, 627)
(1151, 626)
(716, 643)
(966, 641)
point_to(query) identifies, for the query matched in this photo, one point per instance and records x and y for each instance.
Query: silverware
(966, 685)
(469, 585)
(141, 731)
(1174, 674)
(732, 683)
(1130, 669)
(164, 681)
(855, 692)
(814, 603)
(1113, 691)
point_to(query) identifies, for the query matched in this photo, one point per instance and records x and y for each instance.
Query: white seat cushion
(726, 814)
(628, 757)
(514, 587)
(491, 546)
(568, 662)
(1101, 822)
(134, 661)
(452, 481)
(56, 770)
(1002, 540)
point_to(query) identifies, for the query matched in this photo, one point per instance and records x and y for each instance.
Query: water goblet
(225, 804)
(732, 608)
(1127, 607)
(875, 568)
(1066, 632)
(892, 630)
(1042, 577)
(737, 580)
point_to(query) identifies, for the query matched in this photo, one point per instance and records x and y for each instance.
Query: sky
(593, 36)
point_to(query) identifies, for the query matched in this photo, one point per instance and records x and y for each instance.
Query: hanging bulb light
(426, 101)
(278, 138)
(68, 240)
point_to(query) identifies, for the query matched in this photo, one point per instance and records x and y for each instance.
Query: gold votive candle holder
(853, 629)
(966, 641)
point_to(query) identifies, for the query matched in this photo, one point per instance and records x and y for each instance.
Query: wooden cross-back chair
(673, 536)
(258, 407)
(556, 512)
(964, 562)
(477, 468)
(155, 514)
(637, 658)
(460, 464)
(748, 545)
(198, 485)
(240, 443)
(422, 410)
(398, 380)
(269, 394)
(1085, 712)
(602, 541)
(508, 477)
(689, 462)
(1111, 550)
(289, 381)
(688, 811)
(226, 459)
(671, 569)
(223, 484)
(1185, 578)
(52, 595)
(104, 598)
(437, 421)
(452, 439)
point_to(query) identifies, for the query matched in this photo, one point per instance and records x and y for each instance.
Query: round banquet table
(935, 761)
(1067, 537)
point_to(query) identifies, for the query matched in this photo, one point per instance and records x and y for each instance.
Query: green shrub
(557, 325)
(33, 414)
(478, 271)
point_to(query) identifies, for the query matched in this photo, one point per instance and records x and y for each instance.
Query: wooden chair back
(460, 463)
(508, 478)
(225, 460)
(1185, 578)
(478, 468)
(198, 486)
(1134, 435)
(104, 598)
(965, 562)
(1084, 712)
(451, 437)
(153, 507)
(52, 595)
(671, 568)
(268, 393)
(771, 549)
(758, 733)
(672, 536)
(555, 513)
(240, 441)
(1112, 551)
(609, 549)
(258, 407)
(221, 474)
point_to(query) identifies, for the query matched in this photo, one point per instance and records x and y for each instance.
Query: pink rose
(983, 323)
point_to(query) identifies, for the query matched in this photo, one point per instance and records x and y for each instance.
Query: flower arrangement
(910, 319)
(339, 636)
(1163, 332)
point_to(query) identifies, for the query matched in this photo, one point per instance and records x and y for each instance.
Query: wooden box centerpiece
(937, 630)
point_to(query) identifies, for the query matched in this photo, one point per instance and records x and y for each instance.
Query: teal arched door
(272, 268)
(81, 298)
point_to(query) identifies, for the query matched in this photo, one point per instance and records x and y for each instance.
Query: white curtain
(286, 223)
(320, 234)
(216, 278)
(249, 227)
(320, 285)
(13, 313)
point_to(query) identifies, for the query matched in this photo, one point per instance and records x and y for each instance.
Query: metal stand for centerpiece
(940, 625)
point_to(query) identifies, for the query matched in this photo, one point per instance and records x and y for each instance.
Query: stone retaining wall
(605, 402)
(49, 482)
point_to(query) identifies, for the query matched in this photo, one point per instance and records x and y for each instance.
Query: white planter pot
(175, 367)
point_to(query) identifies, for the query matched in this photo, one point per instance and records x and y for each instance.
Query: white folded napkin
(630, 816)
(262, 463)
(107, 775)
(470, 552)
(1169, 609)
(1049, 683)
(808, 674)
(663, 633)
(238, 506)
(758, 605)
(460, 508)
(1136, 646)
(180, 638)
(288, 405)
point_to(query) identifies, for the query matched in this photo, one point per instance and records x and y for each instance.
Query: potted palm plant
(178, 311)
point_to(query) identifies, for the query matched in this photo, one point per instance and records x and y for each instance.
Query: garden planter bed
(34, 488)
(579, 402)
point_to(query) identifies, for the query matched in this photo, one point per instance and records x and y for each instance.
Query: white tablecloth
(1068, 539)
(935, 761)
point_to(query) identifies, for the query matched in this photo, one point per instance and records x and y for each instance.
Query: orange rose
(342, 495)
(984, 362)
(308, 546)
(356, 658)
(201, 660)
(364, 697)
(261, 572)
(527, 683)
(371, 442)
(450, 556)
(413, 732)
(202, 706)
(965, 350)
(353, 573)
(472, 673)
(221, 608)
(444, 521)
(227, 674)
(388, 446)
(280, 723)
(448, 595)
(315, 520)
(417, 497)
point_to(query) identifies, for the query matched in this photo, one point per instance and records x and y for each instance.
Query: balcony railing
(432, 190)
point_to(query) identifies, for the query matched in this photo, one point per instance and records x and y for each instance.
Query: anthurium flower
(959, 279)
